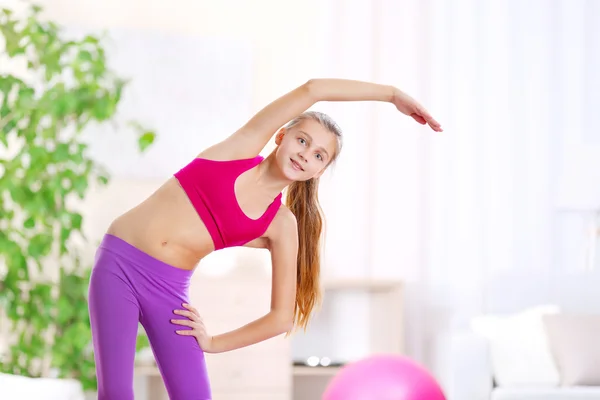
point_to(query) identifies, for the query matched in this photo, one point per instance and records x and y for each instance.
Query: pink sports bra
(210, 187)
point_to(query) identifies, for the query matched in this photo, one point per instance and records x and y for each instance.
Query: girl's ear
(279, 136)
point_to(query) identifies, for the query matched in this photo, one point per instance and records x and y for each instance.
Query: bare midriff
(167, 227)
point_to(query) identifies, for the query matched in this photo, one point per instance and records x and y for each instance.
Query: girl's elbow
(285, 323)
(287, 326)
(311, 87)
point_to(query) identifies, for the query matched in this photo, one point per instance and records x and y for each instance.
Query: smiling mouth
(295, 164)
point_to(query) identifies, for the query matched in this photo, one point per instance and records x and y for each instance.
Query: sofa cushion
(575, 344)
(519, 351)
(558, 393)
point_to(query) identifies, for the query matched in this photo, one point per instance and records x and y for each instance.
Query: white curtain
(489, 216)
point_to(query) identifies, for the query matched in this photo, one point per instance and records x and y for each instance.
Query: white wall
(280, 32)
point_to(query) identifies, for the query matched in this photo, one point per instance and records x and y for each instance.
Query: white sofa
(470, 361)
(467, 375)
(15, 387)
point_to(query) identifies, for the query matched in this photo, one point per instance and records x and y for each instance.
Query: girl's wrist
(395, 94)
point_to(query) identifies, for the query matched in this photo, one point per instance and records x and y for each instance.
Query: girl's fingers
(426, 116)
(189, 314)
(432, 122)
(192, 309)
(183, 322)
(194, 325)
(187, 332)
(419, 119)
(435, 126)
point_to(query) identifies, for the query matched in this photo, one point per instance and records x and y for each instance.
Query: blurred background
(426, 232)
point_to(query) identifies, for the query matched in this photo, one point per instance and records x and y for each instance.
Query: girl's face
(305, 150)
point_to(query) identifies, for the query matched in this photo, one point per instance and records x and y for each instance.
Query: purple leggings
(127, 286)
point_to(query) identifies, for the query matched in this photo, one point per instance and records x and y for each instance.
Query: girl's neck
(269, 178)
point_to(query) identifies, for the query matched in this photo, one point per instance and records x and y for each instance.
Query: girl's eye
(320, 157)
(302, 141)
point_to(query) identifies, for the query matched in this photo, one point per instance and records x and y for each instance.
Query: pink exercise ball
(383, 377)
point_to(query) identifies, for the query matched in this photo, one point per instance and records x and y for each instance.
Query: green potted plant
(62, 87)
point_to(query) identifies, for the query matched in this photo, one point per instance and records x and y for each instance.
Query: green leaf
(12, 38)
(17, 193)
(80, 185)
(85, 56)
(146, 140)
(119, 86)
(40, 245)
(103, 108)
(142, 342)
(61, 154)
(90, 39)
(64, 310)
(29, 223)
(8, 127)
(64, 234)
(67, 104)
(102, 179)
(26, 99)
(76, 220)
(16, 262)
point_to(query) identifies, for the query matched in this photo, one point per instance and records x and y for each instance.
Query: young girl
(227, 196)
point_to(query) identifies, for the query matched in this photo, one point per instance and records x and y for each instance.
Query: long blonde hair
(303, 200)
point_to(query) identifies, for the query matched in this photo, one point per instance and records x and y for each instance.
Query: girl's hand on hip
(409, 106)
(196, 324)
